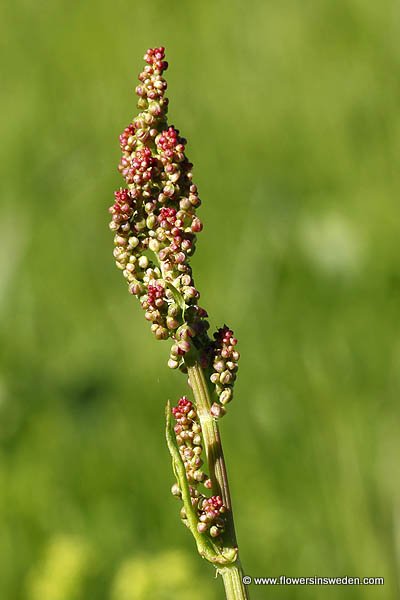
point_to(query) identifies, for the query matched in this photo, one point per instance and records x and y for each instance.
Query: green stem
(232, 578)
(231, 574)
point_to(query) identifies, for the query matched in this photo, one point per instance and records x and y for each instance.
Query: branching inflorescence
(154, 218)
(187, 430)
(155, 222)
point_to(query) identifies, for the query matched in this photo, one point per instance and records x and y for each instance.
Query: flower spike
(155, 225)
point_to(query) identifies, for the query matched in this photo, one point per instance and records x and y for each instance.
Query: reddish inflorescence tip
(155, 58)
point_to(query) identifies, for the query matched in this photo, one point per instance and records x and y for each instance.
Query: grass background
(291, 112)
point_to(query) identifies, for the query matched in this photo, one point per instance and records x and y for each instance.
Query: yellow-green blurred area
(291, 111)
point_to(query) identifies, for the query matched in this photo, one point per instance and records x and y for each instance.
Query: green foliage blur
(291, 110)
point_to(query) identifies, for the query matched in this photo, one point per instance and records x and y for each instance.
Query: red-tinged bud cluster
(138, 169)
(122, 209)
(183, 408)
(225, 365)
(171, 146)
(211, 511)
(155, 295)
(167, 219)
(188, 435)
(155, 58)
(154, 218)
(213, 507)
(127, 138)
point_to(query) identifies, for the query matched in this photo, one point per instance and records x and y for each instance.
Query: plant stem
(231, 574)
(232, 578)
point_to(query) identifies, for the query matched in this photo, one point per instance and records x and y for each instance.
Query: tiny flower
(176, 491)
(217, 410)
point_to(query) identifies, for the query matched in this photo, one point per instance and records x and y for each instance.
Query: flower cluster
(224, 366)
(211, 515)
(154, 218)
(188, 436)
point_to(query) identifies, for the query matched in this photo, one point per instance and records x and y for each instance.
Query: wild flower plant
(155, 222)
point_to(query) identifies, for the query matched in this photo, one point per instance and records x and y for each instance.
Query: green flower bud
(226, 377)
(172, 323)
(142, 103)
(143, 262)
(176, 491)
(215, 531)
(161, 333)
(154, 245)
(133, 242)
(226, 396)
(151, 221)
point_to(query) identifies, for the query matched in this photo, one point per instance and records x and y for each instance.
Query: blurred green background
(291, 110)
